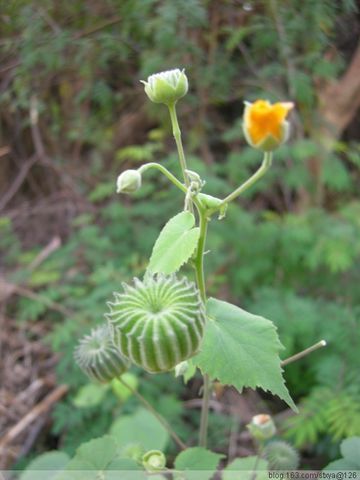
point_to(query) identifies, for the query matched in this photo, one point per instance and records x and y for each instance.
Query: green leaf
(95, 455)
(50, 462)
(232, 471)
(342, 464)
(350, 449)
(198, 458)
(242, 349)
(175, 244)
(90, 395)
(99, 458)
(140, 428)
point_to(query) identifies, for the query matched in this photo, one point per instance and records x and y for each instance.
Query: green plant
(159, 322)
(349, 449)
(307, 281)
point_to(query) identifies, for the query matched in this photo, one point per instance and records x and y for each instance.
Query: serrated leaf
(95, 455)
(244, 468)
(175, 244)
(99, 458)
(50, 462)
(198, 458)
(242, 349)
(140, 428)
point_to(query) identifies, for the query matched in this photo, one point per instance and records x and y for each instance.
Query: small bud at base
(154, 461)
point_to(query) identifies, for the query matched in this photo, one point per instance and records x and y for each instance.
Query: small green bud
(166, 87)
(213, 203)
(262, 427)
(154, 461)
(128, 181)
(208, 201)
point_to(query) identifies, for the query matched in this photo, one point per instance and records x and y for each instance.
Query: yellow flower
(265, 125)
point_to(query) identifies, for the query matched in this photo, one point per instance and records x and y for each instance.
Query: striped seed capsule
(158, 322)
(98, 357)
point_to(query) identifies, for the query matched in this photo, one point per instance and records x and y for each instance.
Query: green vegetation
(288, 251)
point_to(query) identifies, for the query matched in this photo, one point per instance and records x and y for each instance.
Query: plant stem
(305, 352)
(199, 260)
(157, 415)
(266, 164)
(200, 280)
(165, 172)
(204, 420)
(177, 135)
(257, 460)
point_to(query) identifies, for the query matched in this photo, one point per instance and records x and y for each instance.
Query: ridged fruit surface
(98, 357)
(158, 322)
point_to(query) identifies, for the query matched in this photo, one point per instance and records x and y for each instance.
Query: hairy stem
(200, 280)
(199, 260)
(266, 164)
(257, 460)
(303, 353)
(177, 135)
(157, 415)
(165, 172)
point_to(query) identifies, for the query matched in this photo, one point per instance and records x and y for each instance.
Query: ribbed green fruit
(158, 322)
(98, 357)
(281, 456)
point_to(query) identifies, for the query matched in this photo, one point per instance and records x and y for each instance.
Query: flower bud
(262, 427)
(166, 87)
(154, 461)
(265, 126)
(128, 181)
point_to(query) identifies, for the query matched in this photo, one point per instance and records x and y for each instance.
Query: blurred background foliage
(73, 115)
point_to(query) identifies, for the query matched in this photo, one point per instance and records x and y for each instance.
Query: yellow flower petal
(263, 119)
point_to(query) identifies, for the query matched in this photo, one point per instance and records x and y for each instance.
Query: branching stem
(165, 172)
(305, 352)
(200, 280)
(157, 415)
(266, 164)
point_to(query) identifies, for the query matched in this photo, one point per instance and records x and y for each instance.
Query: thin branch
(51, 247)
(18, 181)
(34, 413)
(152, 410)
(305, 352)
